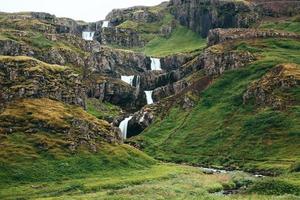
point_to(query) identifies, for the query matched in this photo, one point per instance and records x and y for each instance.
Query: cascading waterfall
(128, 79)
(105, 24)
(149, 97)
(88, 35)
(155, 64)
(123, 126)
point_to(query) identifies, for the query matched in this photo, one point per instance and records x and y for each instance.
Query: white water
(128, 79)
(149, 97)
(123, 126)
(155, 64)
(105, 24)
(88, 35)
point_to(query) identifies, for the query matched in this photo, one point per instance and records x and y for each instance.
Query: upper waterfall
(105, 24)
(88, 35)
(123, 126)
(149, 97)
(155, 64)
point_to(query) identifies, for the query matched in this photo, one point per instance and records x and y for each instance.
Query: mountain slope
(223, 130)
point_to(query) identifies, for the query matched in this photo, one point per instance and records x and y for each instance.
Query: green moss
(102, 110)
(40, 41)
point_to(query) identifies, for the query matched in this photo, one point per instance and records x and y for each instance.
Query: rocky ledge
(219, 35)
(270, 89)
(25, 77)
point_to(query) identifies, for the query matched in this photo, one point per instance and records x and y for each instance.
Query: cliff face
(203, 15)
(121, 37)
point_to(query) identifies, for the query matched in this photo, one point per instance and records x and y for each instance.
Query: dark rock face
(217, 36)
(140, 121)
(264, 92)
(117, 62)
(23, 77)
(121, 37)
(173, 62)
(113, 91)
(169, 90)
(203, 15)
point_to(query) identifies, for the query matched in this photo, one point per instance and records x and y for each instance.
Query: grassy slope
(291, 24)
(43, 154)
(102, 110)
(161, 181)
(182, 40)
(220, 130)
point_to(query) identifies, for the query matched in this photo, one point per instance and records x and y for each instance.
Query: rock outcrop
(115, 63)
(217, 36)
(266, 91)
(71, 125)
(25, 77)
(121, 37)
(111, 90)
(217, 61)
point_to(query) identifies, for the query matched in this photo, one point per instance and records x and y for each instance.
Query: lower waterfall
(88, 35)
(128, 79)
(123, 126)
(149, 97)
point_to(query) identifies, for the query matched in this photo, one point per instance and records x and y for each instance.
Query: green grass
(290, 25)
(182, 40)
(160, 181)
(285, 184)
(220, 130)
(102, 110)
(39, 41)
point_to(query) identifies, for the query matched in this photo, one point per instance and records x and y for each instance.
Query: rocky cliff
(203, 15)
(25, 77)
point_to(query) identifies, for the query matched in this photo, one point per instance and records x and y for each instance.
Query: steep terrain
(224, 80)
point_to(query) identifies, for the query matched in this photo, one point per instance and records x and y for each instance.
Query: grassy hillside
(221, 130)
(44, 140)
(290, 24)
(182, 40)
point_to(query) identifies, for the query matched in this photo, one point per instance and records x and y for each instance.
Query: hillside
(189, 99)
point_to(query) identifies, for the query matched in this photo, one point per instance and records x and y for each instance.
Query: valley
(190, 99)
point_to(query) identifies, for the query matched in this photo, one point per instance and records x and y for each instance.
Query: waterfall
(155, 64)
(149, 97)
(105, 24)
(88, 35)
(123, 126)
(128, 79)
